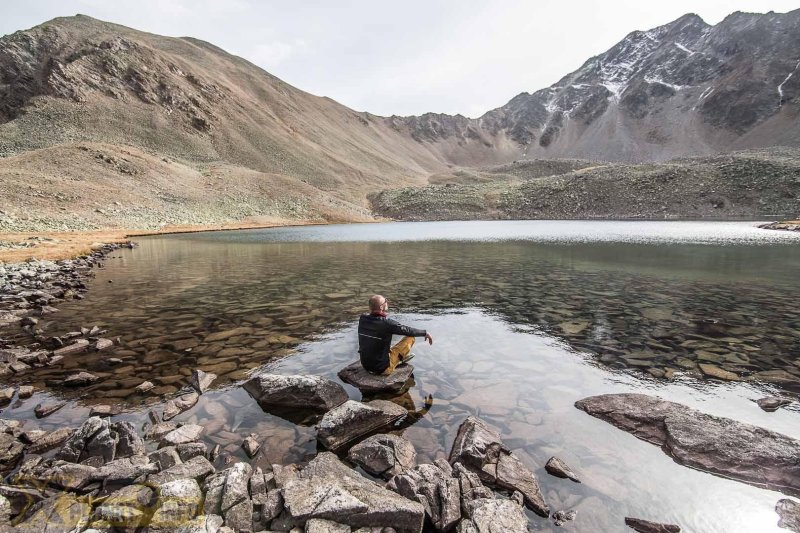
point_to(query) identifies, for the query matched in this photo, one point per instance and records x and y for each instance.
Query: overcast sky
(404, 58)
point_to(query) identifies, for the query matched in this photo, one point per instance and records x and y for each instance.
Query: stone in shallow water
(367, 382)
(480, 449)
(81, 379)
(644, 526)
(773, 403)
(352, 420)
(180, 404)
(182, 435)
(562, 517)
(713, 371)
(251, 445)
(298, 391)
(559, 468)
(713, 444)
(201, 381)
(384, 455)
(25, 391)
(789, 512)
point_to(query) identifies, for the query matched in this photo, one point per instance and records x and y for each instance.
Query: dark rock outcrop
(297, 391)
(713, 444)
(645, 526)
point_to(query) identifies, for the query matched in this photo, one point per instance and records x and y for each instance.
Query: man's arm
(399, 329)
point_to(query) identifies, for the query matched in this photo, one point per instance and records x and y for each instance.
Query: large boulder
(494, 515)
(367, 382)
(434, 486)
(480, 449)
(384, 455)
(296, 391)
(351, 420)
(178, 502)
(713, 444)
(329, 490)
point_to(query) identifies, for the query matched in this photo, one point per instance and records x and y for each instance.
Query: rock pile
(28, 291)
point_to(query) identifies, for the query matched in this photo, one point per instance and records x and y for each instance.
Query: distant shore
(784, 225)
(54, 246)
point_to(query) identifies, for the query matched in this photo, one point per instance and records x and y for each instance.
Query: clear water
(528, 317)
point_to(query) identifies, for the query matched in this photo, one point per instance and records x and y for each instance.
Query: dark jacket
(375, 339)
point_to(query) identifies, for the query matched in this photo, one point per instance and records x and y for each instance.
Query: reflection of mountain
(628, 305)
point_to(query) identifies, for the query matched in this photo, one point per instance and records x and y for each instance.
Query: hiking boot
(406, 359)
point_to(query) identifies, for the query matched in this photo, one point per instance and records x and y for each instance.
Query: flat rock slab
(351, 420)
(296, 391)
(645, 526)
(480, 449)
(182, 435)
(329, 490)
(367, 382)
(736, 450)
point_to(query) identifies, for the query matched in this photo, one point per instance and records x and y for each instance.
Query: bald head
(376, 303)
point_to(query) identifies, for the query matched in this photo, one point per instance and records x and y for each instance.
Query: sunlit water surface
(528, 317)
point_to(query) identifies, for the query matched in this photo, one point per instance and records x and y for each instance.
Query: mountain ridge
(144, 104)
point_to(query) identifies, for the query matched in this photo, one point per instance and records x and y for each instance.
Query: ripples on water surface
(528, 318)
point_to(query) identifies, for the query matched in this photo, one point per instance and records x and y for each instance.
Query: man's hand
(429, 338)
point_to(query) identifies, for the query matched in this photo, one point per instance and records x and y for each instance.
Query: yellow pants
(397, 353)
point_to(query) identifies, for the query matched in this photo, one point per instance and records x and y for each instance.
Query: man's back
(375, 332)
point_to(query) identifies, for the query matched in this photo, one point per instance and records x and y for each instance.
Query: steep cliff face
(684, 88)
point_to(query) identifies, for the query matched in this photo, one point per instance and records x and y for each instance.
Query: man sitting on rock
(375, 331)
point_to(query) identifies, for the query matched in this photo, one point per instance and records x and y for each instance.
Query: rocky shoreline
(106, 476)
(30, 290)
(792, 225)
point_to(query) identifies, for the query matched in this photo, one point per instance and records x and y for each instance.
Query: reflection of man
(375, 331)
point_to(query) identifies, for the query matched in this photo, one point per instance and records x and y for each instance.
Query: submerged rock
(42, 410)
(713, 444)
(562, 517)
(643, 526)
(557, 467)
(773, 403)
(367, 382)
(329, 490)
(789, 512)
(352, 419)
(298, 391)
(480, 449)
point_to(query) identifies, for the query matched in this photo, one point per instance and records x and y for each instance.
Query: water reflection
(213, 302)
